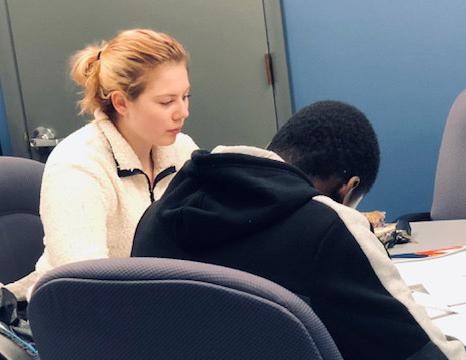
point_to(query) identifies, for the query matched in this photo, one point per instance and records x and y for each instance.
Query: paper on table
(450, 290)
(451, 320)
(434, 308)
(444, 268)
(453, 325)
(444, 279)
(460, 309)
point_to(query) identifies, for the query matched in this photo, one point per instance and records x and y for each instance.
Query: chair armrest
(414, 217)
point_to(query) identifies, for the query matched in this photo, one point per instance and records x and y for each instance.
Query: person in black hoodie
(246, 208)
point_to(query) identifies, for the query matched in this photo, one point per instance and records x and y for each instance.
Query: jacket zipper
(160, 176)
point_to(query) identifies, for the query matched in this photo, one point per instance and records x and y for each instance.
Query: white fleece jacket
(94, 193)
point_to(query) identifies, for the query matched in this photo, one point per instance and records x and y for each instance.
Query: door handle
(43, 138)
(39, 143)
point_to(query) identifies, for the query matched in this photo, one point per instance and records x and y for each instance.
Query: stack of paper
(439, 284)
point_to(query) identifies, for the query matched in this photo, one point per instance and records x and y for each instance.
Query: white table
(430, 235)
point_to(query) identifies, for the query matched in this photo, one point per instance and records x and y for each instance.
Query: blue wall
(4, 135)
(402, 62)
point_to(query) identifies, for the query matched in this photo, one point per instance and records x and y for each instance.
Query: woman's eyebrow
(173, 95)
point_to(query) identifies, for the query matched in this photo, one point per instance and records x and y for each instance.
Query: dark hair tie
(98, 54)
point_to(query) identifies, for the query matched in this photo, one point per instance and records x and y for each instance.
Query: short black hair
(330, 138)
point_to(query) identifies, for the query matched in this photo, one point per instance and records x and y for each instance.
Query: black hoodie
(263, 216)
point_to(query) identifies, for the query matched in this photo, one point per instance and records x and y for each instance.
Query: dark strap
(13, 348)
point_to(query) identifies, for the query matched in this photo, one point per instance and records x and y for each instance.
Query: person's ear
(346, 192)
(119, 102)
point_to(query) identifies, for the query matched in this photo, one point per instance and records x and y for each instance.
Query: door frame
(14, 100)
(275, 27)
(11, 85)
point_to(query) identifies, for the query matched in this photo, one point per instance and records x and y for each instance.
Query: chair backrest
(450, 183)
(148, 308)
(21, 232)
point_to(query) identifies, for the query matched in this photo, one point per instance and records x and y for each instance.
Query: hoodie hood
(228, 194)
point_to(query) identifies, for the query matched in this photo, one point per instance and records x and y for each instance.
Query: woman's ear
(119, 102)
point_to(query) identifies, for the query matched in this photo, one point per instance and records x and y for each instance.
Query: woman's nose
(182, 112)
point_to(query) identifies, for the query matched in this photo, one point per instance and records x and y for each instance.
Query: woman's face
(158, 114)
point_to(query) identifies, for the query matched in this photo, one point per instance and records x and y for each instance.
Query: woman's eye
(168, 102)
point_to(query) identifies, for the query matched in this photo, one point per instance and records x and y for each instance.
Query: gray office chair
(449, 201)
(21, 232)
(149, 308)
(450, 182)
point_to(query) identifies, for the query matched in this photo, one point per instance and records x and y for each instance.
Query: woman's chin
(167, 140)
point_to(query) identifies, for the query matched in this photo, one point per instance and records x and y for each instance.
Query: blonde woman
(99, 180)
